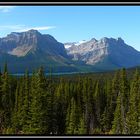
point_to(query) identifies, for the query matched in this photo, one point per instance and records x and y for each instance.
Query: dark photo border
(50, 3)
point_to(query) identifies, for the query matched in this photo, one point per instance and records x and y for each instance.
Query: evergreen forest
(79, 104)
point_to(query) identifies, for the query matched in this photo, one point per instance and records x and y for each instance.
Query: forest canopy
(69, 105)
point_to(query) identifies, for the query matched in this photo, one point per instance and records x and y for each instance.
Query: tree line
(42, 105)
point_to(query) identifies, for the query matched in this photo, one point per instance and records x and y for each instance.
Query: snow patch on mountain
(80, 42)
(70, 44)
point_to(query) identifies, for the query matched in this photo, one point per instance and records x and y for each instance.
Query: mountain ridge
(32, 49)
(95, 51)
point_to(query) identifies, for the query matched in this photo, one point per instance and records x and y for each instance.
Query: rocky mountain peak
(34, 45)
(120, 40)
(23, 43)
(95, 51)
(32, 31)
(104, 39)
(94, 40)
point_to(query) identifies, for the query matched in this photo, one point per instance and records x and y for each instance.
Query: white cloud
(23, 28)
(6, 9)
(36, 28)
(12, 27)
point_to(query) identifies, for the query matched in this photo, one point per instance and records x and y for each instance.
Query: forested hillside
(70, 105)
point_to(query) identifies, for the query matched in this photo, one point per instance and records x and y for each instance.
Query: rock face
(20, 44)
(90, 52)
(106, 50)
(32, 49)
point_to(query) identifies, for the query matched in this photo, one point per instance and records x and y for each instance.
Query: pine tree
(107, 116)
(119, 123)
(36, 124)
(20, 105)
(82, 126)
(72, 118)
(15, 119)
(114, 93)
(117, 127)
(85, 101)
(133, 113)
(51, 109)
(6, 98)
(97, 103)
(40, 102)
(60, 109)
(26, 103)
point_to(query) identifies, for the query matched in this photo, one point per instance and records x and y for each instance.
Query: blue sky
(74, 23)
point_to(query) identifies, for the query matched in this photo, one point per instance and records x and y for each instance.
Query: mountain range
(31, 49)
(106, 53)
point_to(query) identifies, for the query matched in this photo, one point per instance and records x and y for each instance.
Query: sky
(74, 23)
